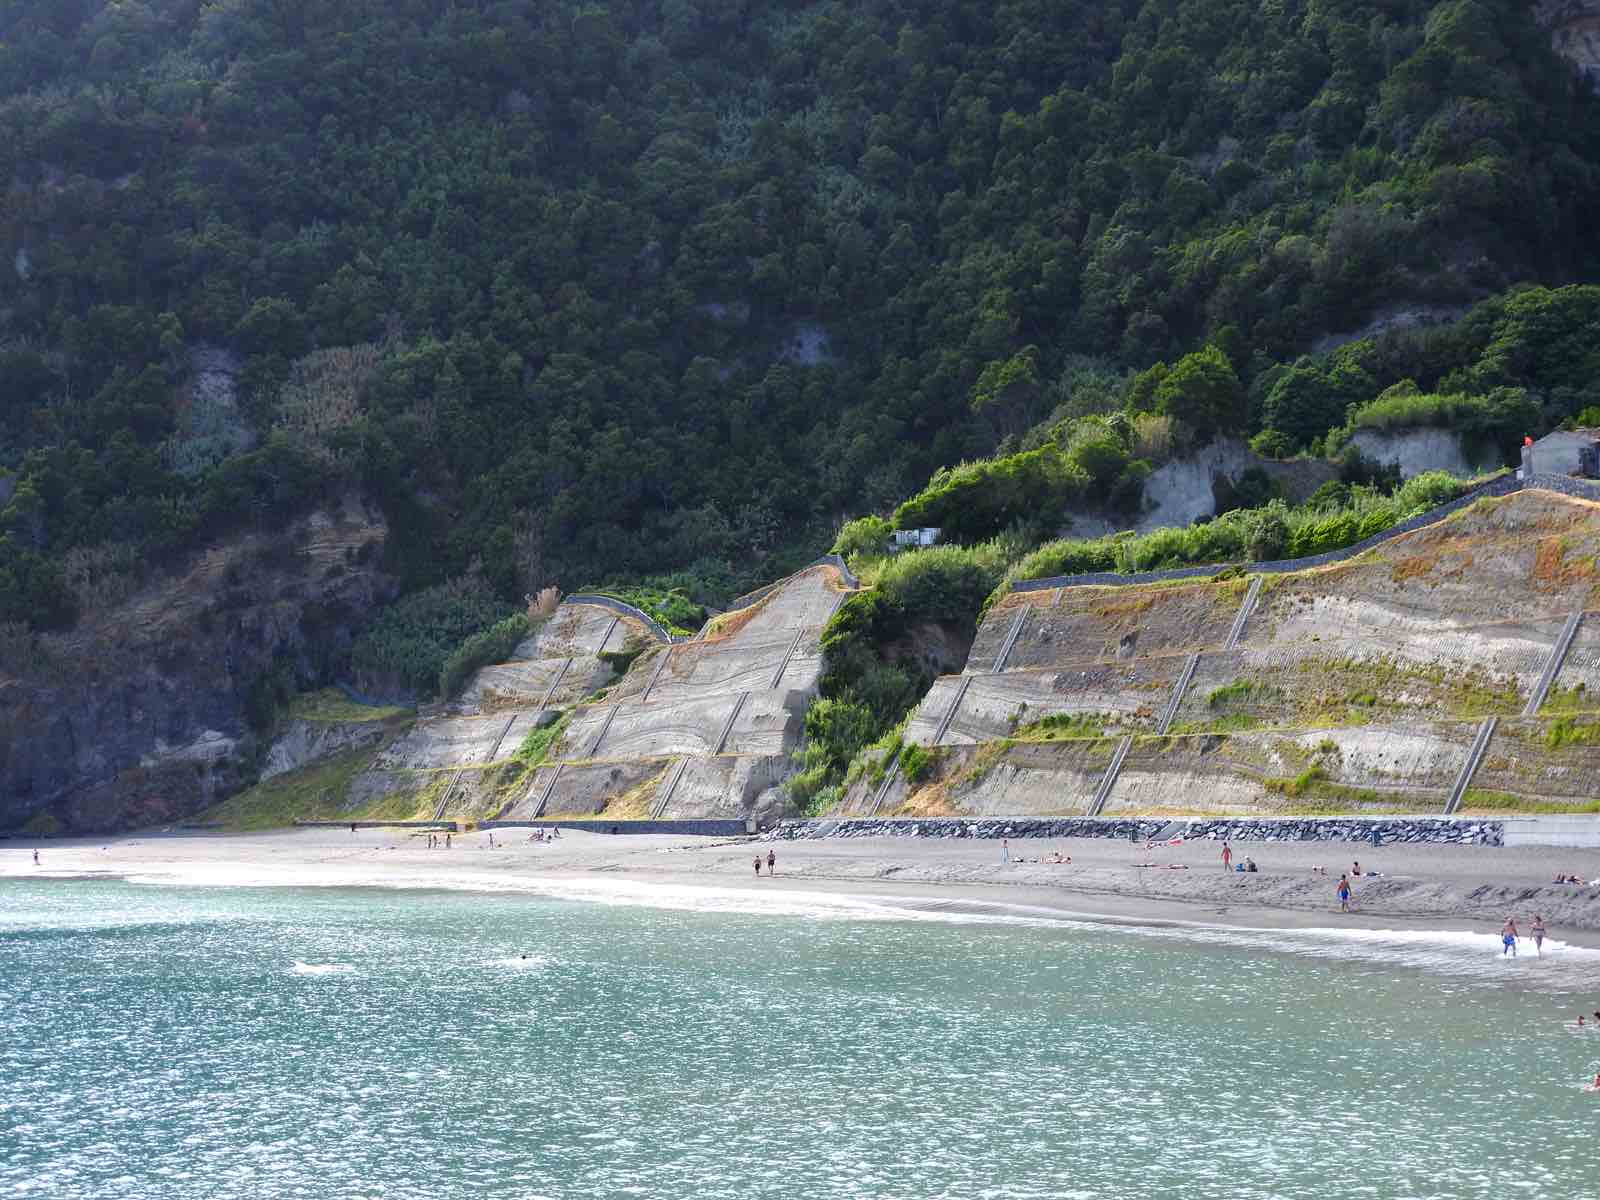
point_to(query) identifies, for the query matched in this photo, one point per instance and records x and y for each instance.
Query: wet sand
(1467, 888)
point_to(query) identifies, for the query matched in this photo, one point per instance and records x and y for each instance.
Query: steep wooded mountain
(571, 292)
(584, 290)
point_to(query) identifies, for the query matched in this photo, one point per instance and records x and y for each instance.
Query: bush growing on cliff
(407, 646)
(1339, 515)
(865, 537)
(492, 645)
(872, 676)
(670, 606)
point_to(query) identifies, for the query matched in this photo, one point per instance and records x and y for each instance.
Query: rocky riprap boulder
(1311, 829)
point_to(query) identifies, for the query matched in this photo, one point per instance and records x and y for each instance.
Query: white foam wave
(301, 968)
(1462, 953)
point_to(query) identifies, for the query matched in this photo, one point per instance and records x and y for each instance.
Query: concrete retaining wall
(446, 825)
(623, 608)
(1571, 832)
(692, 828)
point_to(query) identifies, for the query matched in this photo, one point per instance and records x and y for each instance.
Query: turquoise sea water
(189, 1042)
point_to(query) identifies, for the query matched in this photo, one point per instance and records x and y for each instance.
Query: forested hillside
(581, 292)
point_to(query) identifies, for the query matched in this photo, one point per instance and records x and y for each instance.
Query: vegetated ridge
(577, 295)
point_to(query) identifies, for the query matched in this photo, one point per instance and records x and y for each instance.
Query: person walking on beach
(1227, 857)
(1344, 893)
(1508, 938)
(447, 841)
(772, 861)
(758, 866)
(1538, 935)
(1005, 850)
(36, 858)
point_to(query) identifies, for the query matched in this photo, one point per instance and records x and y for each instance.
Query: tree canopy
(585, 292)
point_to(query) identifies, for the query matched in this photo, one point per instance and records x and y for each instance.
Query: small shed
(1564, 452)
(903, 539)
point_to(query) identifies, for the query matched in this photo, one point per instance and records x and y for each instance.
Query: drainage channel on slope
(1178, 689)
(449, 791)
(1480, 744)
(660, 805)
(499, 741)
(1245, 609)
(654, 675)
(1552, 666)
(789, 654)
(550, 692)
(727, 725)
(1011, 639)
(1109, 779)
(544, 796)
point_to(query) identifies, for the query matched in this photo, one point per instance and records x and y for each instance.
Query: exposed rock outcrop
(1574, 27)
(140, 714)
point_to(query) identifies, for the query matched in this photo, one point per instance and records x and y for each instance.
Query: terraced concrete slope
(702, 728)
(460, 759)
(1458, 664)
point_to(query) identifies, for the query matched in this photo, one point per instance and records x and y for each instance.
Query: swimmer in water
(1508, 938)
(1595, 1086)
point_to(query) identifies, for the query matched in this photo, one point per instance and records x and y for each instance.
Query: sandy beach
(1418, 887)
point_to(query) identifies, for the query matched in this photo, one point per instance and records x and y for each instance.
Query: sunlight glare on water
(352, 1043)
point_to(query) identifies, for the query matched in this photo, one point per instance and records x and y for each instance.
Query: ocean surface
(173, 1040)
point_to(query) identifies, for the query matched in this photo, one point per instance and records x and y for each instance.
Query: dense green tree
(1203, 391)
(642, 285)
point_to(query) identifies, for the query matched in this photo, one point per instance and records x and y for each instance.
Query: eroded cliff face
(1574, 27)
(141, 714)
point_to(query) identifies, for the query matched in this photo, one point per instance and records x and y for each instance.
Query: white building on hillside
(1564, 452)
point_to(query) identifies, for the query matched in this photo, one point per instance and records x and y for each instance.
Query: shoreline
(1445, 889)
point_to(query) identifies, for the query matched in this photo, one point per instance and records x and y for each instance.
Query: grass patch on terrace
(320, 792)
(1574, 699)
(536, 746)
(1565, 731)
(1350, 690)
(1062, 727)
(332, 705)
(1483, 800)
(635, 803)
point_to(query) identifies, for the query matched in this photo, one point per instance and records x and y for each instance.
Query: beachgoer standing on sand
(36, 858)
(772, 861)
(1005, 850)
(1538, 934)
(1508, 938)
(758, 866)
(447, 841)
(1344, 893)
(1227, 856)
